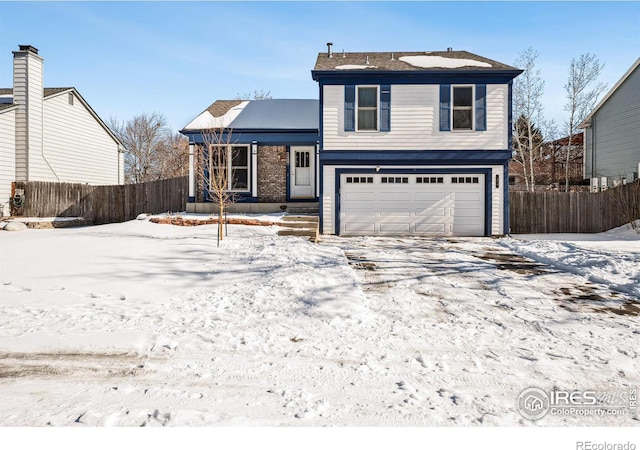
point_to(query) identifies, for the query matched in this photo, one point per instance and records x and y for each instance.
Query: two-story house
(400, 143)
(612, 134)
(414, 143)
(51, 133)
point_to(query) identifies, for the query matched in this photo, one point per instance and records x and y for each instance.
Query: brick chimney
(28, 94)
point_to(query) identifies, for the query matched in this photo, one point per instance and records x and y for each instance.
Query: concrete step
(301, 218)
(312, 234)
(310, 225)
(303, 210)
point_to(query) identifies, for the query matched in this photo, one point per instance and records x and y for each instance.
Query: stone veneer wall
(272, 174)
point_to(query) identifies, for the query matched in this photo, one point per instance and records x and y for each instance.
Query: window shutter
(445, 107)
(481, 107)
(385, 107)
(350, 108)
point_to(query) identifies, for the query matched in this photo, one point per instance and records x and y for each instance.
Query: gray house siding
(612, 141)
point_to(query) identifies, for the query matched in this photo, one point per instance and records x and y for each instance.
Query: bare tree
(582, 95)
(255, 95)
(213, 164)
(153, 152)
(529, 128)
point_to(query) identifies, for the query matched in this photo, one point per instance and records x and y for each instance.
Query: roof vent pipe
(329, 51)
(367, 61)
(449, 49)
(392, 57)
(344, 55)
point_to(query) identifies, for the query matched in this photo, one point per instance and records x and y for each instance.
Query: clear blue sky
(126, 58)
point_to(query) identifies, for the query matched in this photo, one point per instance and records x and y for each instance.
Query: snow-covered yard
(145, 324)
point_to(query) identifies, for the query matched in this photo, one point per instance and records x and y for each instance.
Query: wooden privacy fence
(102, 204)
(574, 212)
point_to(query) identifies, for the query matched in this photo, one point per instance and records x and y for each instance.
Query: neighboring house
(51, 134)
(612, 133)
(273, 149)
(408, 143)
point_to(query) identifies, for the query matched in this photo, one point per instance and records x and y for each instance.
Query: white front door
(302, 172)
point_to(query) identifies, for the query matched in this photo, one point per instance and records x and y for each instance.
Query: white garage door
(438, 205)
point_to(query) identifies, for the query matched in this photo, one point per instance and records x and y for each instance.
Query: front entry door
(302, 172)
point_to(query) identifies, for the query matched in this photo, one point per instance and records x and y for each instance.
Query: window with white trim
(462, 107)
(236, 164)
(367, 108)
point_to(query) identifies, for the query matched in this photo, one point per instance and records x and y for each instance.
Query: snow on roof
(355, 66)
(206, 120)
(429, 61)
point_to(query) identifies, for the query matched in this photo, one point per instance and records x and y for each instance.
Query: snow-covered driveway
(143, 324)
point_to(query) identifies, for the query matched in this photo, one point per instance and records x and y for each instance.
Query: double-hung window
(231, 168)
(462, 107)
(367, 115)
(367, 108)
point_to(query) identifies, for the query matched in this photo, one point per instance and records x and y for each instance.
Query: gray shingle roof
(220, 107)
(47, 91)
(382, 61)
(278, 114)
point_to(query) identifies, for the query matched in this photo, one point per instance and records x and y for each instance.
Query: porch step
(310, 225)
(301, 226)
(301, 218)
(303, 209)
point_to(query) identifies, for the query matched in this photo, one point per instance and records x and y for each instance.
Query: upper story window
(367, 108)
(462, 113)
(367, 101)
(463, 107)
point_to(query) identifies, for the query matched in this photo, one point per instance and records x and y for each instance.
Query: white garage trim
(432, 204)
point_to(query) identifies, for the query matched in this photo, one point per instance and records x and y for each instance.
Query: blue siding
(304, 137)
(406, 157)
(399, 77)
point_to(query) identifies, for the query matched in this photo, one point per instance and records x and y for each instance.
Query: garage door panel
(429, 196)
(360, 196)
(472, 212)
(432, 205)
(393, 196)
(395, 228)
(466, 196)
(433, 211)
(467, 229)
(430, 228)
(359, 227)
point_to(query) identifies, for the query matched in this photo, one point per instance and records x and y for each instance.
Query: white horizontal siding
(7, 159)
(415, 122)
(76, 146)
